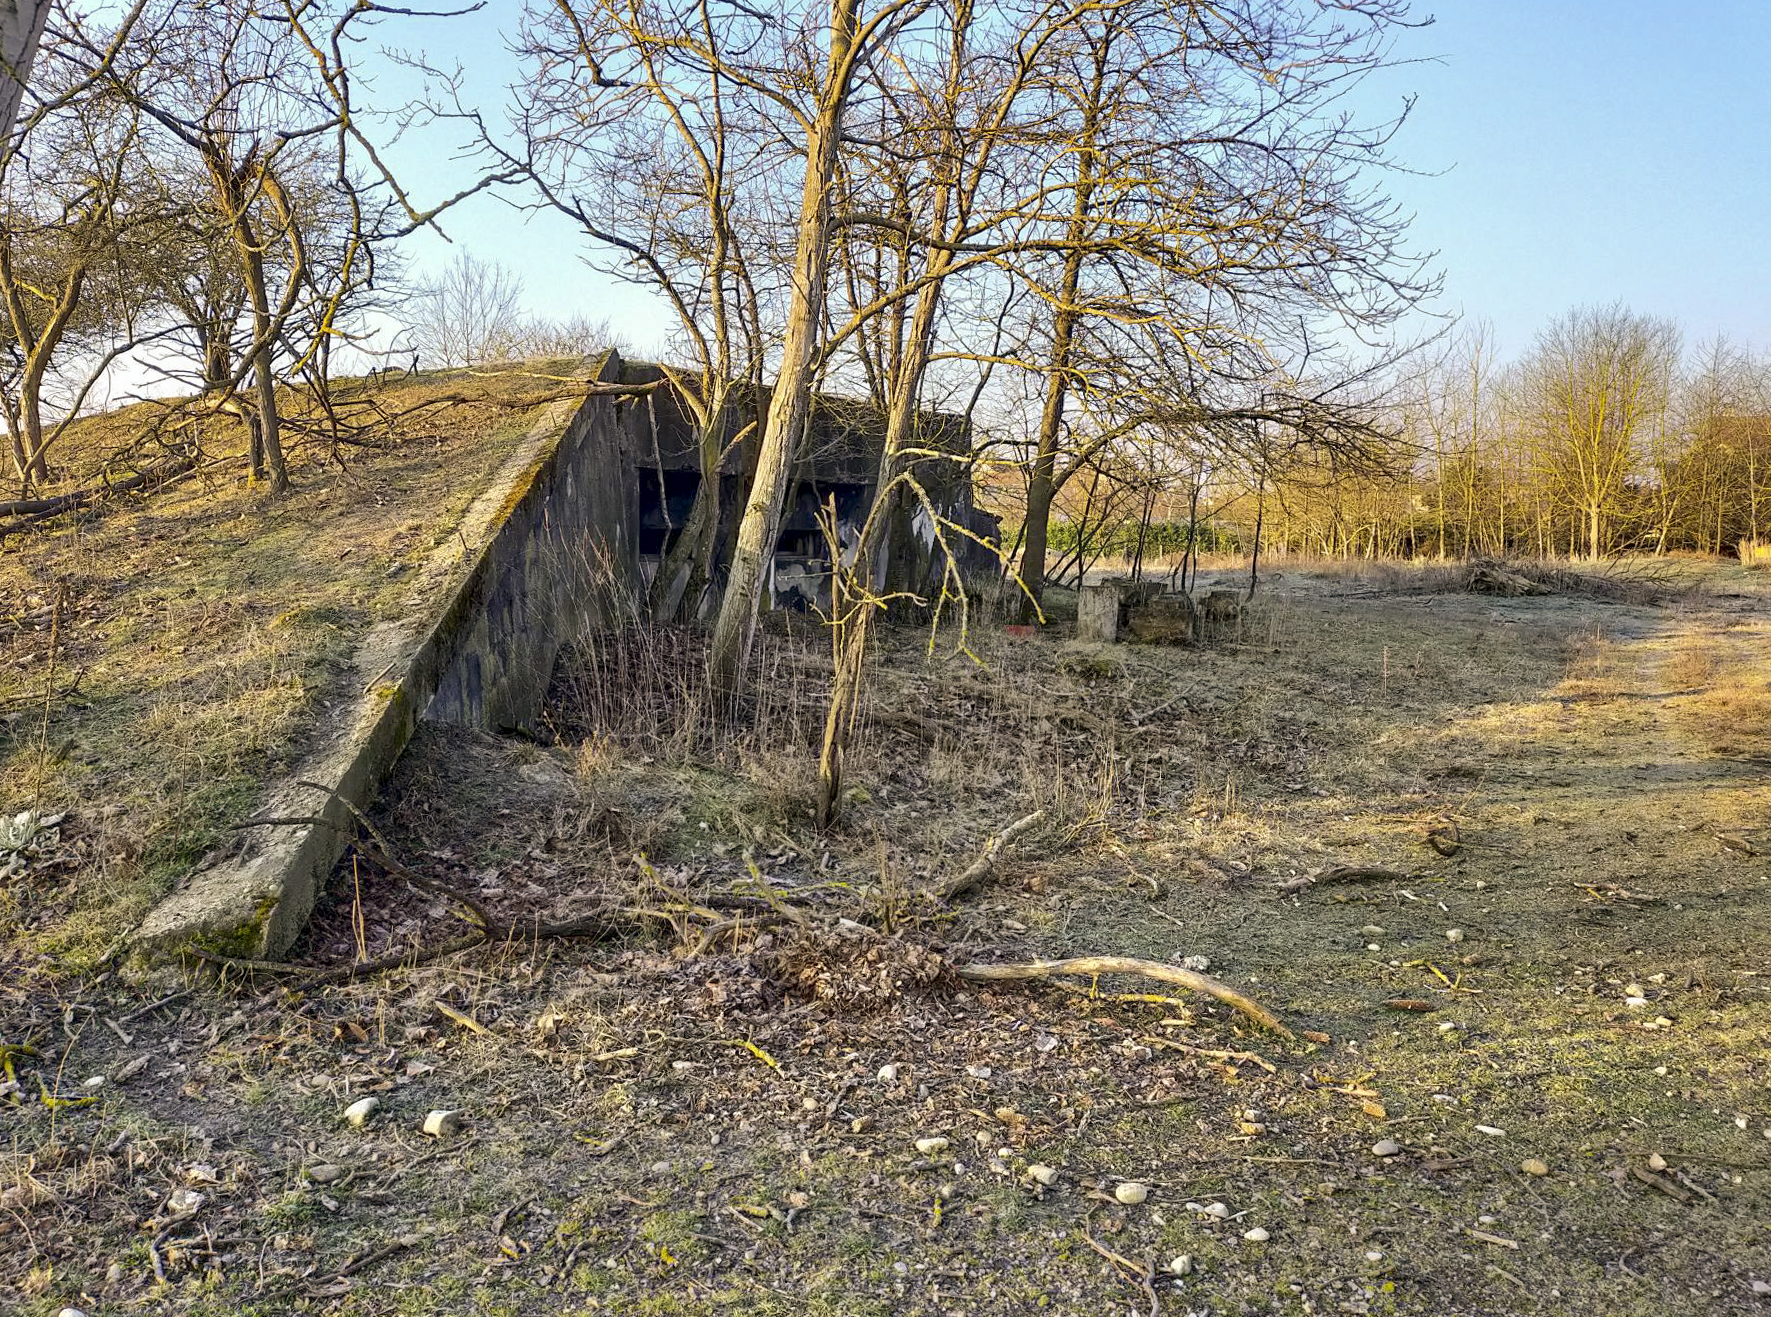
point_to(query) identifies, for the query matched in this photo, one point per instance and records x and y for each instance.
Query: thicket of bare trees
(1137, 216)
(1138, 245)
(1606, 437)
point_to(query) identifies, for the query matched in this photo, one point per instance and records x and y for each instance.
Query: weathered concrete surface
(490, 610)
(1097, 612)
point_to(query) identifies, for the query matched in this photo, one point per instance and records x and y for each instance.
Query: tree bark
(790, 406)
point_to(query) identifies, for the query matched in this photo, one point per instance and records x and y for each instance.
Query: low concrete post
(1097, 613)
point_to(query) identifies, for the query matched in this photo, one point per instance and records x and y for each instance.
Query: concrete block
(1097, 612)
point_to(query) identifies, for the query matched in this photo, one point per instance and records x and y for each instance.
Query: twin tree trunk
(790, 407)
(267, 434)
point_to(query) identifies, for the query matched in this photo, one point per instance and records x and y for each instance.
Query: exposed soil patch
(1528, 1076)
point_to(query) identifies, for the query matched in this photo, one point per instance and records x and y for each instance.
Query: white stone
(888, 1074)
(441, 1124)
(1454, 935)
(1047, 1175)
(1385, 1148)
(1256, 1235)
(1131, 1193)
(325, 1173)
(1491, 1131)
(929, 1147)
(358, 1112)
(1220, 1210)
(1181, 1265)
(1656, 1162)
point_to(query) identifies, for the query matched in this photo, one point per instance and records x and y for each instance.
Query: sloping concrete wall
(557, 565)
(547, 553)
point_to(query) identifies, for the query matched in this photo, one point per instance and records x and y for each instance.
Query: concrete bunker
(565, 539)
(659, 467)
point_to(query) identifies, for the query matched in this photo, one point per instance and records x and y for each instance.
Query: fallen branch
(1661, 1183)
(714, 932)
(1345, 873)
(1143, 1274)
(1215, 1053)
(981, 867)
(385, 1251)
(1169, 703)
(1150, 969)
(1410, 1004)
(25, 513)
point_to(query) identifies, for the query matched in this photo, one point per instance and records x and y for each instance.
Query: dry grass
(629, 1110)
(1639, 580)
(1754, 553)
(197, 631)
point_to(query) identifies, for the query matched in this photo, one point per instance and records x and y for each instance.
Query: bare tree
(637, 125)
(1600, 381)
(470, 312)
(81, 219)
(1208, 213)
(258, 103)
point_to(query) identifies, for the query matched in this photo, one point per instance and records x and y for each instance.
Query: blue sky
(1567, 154)
(1590, 153)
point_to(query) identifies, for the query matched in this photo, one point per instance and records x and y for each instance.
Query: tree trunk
(1033, 543)
(264, 376)
(790, 407)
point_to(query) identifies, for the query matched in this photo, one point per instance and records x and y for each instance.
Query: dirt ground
(1530, 1076)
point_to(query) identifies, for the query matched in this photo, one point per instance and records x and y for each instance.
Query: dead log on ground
(1345, 873)
(981, 867)
(1150, 969)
